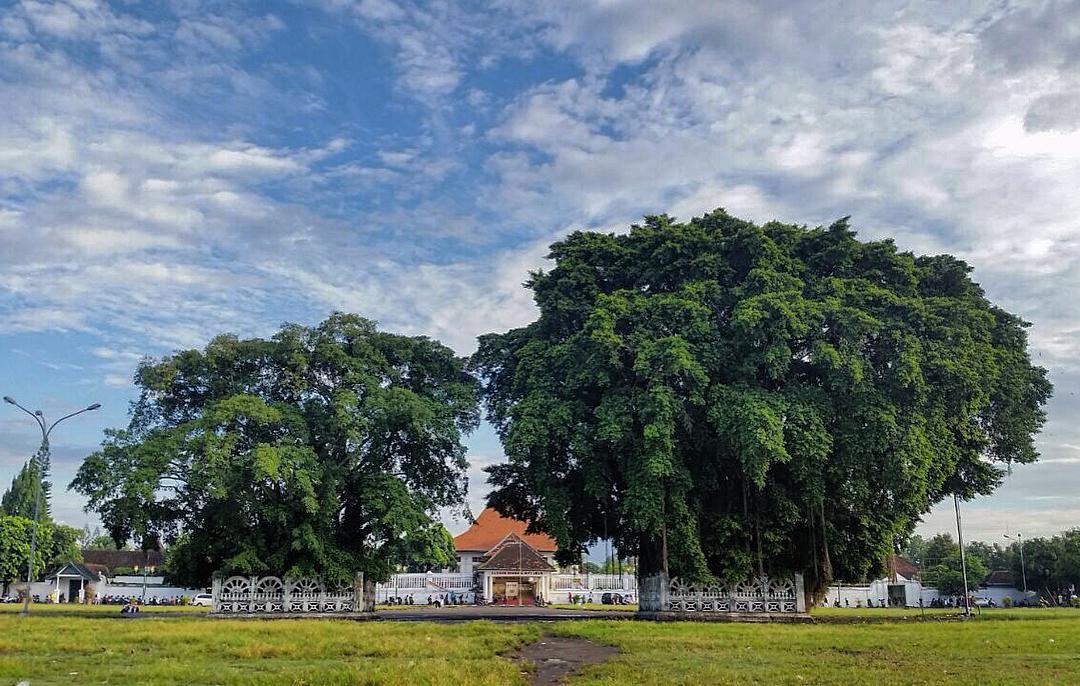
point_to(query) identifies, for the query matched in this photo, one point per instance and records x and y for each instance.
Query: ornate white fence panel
(759, 595)
(271, 594)
(434, 582)
(594, 582)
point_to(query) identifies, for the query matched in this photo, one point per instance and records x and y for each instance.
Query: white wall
(999, 593)
(859, 595)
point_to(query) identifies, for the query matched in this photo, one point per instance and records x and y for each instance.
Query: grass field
(1009, 647)
(69, 609)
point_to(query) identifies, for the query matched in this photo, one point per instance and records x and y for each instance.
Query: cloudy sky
(172, 170)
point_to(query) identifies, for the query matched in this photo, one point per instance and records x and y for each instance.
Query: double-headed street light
(41, 459)
(1023, 568)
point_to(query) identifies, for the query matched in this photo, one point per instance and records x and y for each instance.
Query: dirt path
(554, 658)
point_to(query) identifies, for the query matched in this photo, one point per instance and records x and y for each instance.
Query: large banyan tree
(325, 450)
(725, 399)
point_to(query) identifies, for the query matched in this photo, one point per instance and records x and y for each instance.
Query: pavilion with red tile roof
(510, 565)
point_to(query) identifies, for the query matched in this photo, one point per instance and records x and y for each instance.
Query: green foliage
(56, 543)
(64, 544)
(948, 578)
(1052, 564)
(430, 548)
(614, 566)
(729, 397)
(18, 500)
(323, 450)
(992, 556)
(102, 542)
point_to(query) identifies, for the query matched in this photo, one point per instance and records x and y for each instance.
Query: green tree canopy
(1052, 563)
(18, 500)
(731, 398)
(56, 543)
(64, 541)
(431, 549)
(947, 576)
(322, 450)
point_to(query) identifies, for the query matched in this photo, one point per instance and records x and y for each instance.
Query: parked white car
(202, 600)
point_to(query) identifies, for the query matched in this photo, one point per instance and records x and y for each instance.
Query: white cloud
(148, 199)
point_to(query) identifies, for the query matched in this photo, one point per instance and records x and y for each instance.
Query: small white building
(901, 588)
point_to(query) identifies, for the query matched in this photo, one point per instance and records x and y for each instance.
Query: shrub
(1007, 601)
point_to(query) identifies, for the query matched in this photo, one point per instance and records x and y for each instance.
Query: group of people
(125, 599)
(438, 600)
(880, 603)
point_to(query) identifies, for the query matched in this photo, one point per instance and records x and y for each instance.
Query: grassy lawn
(69, 608)
(57, 646)
(1022, 651)
(827, 614)
(54, 648)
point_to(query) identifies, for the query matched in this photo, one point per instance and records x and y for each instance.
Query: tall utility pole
(1023, 567)
(963, 559)
(41, 460)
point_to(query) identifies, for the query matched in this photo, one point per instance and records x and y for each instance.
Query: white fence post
(215, 595)
(653, 593)
(800, 594)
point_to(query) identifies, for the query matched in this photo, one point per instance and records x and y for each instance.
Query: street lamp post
(1023, 567)
(41, 459)
(963, 559)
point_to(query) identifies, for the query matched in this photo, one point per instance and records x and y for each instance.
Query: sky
(177, 169)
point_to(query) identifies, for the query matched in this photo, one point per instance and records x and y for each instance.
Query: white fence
(594, 582)
(559, 588)
(759, 595)
(271, 594)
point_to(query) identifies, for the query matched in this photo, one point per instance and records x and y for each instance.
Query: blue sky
(172, 170)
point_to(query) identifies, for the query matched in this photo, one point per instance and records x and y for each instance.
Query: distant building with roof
(123, 560)
(508, 564)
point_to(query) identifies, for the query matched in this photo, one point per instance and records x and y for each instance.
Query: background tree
(322, 450)
(18, 500)
(941, 566)
(57, 543)
(103, 542)
(732, 398)
(993, 556)
(612, 565)
(64, 542)
(431, 549)
(1052, 564)
(947, 575)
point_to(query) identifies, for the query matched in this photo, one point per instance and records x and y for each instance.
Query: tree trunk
(650, 555)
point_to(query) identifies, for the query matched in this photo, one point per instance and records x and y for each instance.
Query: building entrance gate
(508, 590)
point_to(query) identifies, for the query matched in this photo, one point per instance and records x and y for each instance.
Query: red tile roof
(491, 527)
(123, 558)
(999, 577)
(511, 555)
(904, 568)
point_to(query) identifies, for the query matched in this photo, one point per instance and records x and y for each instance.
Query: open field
(70, 608)
(57, 649)
(1008, 647)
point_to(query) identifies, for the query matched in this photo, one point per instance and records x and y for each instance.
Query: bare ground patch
(553, 658)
